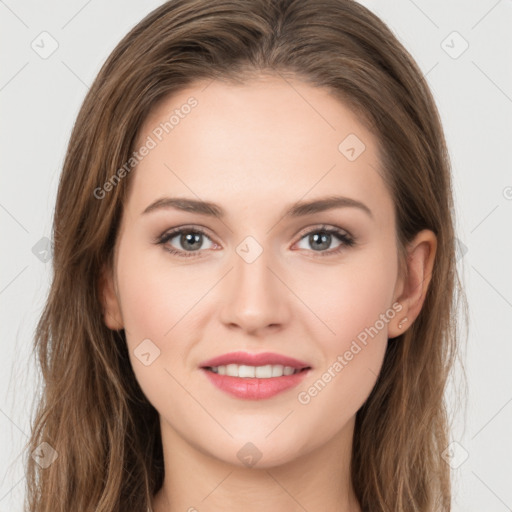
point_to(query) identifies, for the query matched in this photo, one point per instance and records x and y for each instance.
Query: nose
(256, 297)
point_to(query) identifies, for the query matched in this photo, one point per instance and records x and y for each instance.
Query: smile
(254, 376)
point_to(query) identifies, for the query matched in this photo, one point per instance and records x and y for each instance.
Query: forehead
(270, 140)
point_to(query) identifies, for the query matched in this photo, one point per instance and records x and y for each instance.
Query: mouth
(254, 376)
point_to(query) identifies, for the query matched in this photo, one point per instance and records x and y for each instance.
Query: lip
(260, 359)
(253, 388)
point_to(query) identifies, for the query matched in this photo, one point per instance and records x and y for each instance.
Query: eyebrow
(298, 209)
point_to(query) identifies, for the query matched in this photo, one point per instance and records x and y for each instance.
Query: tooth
(232, 370)
(264, 372)
(277, 370)
(260, 372)
(246, 371)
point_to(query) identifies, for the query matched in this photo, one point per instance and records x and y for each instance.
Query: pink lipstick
(254, 376)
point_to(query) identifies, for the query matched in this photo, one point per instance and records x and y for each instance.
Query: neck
(317, 481)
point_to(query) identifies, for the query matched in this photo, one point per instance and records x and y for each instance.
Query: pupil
(190, 239)
(324, 240)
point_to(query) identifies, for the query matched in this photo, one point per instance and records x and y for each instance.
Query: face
(315, 284)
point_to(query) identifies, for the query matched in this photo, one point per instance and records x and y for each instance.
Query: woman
(253, 297)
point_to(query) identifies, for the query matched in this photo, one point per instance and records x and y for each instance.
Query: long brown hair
(92, 411)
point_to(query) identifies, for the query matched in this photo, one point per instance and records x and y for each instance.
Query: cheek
(142, 300)
(356, 305)
(152, 304)
(163, 302)
(350, 297)
(154, 296)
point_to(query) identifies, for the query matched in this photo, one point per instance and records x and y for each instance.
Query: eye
(321, 238)
(190, 239)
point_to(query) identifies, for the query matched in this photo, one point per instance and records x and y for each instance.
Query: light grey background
(40, 98)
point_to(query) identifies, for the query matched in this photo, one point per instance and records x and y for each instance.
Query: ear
(412, 287)
(109, 300)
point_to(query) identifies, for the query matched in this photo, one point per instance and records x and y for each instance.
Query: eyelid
(175, 231)
(320, 227)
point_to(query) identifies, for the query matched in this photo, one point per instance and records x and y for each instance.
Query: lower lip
(253, 388)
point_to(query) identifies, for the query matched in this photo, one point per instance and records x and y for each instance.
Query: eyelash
(343, 236)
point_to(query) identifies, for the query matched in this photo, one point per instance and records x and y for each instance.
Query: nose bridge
(252, 267)
(255, 298)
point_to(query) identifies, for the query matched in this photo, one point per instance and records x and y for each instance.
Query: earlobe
(109, 301)
(420, 263)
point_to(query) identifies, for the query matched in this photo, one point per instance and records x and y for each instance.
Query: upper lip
(261, 359)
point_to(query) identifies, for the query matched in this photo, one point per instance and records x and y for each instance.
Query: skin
(255, 149)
